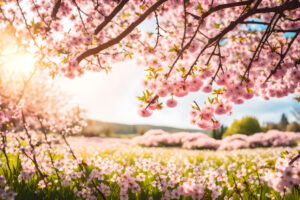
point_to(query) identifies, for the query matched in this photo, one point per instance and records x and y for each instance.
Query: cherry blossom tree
(32, 108)
(196, 45)
(30, 97)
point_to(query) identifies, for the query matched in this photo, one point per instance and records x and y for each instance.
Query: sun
(15, 57)
(19, 62)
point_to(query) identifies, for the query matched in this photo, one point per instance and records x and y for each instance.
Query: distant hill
(95, 128)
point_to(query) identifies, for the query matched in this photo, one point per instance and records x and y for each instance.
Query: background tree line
(250, 125)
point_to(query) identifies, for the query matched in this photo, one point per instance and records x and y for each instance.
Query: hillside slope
(95, 127)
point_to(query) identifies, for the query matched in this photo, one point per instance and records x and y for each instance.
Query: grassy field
(115, 169)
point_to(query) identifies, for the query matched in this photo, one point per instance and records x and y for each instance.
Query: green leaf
(174, 49)
(249, 90)
(297, 99)
(199, 8)
(210, 100)
(194, 107)
(150, 69)
(142, 7)
(217, 25)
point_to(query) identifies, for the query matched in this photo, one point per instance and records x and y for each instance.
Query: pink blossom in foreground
(171, 103)
(124, 169)
(285, 175)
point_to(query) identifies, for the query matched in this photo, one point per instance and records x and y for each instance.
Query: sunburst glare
(20, 62)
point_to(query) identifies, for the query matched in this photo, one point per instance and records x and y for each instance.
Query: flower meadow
(57, 167)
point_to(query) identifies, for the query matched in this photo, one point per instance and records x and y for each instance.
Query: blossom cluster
(37, 98)
(208, 46)
(286, 174)
(273, 138)
(5, 190)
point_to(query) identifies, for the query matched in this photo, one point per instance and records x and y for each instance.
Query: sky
(112, 98)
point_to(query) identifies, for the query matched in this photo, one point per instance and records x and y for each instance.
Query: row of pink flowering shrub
(273, 138)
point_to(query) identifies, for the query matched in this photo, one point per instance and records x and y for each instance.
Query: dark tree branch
(290, 19)
(198, 107)
(220, 7)
(80, 16)
(4, 17)
(117, 39)
(44, 131)
(39, 14)
(283, 55)
(27, 26)
(210, 41)
(254, 22)
(3, 149)
(204, 35)
(157, 28)
(152, 101)
(184, 48)
(294, 159)
(211, 55)
(33, 158)
(82, 166)
(271, 30)
(261, 44)
(211, 4)
(110, 16)
(185, 22)
(196, 60)
(55, 9)
(220, 67)
(284, 31)
(289, 5)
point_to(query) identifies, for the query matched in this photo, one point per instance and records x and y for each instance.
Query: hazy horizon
(112, 98)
